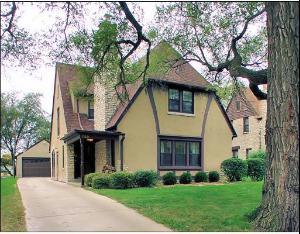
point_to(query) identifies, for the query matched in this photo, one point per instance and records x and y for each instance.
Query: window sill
(181, 114)
(245, 132)
(179, 168)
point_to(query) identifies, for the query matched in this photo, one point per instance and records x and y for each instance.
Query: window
(181, 101)
(194, 153)
(246, 124)
(238, 105)
(165, 153)
(248, 151)
(235, 151)
(91, 110)
(63, 156)
(174, 100)
(180, 153)
(57, 119)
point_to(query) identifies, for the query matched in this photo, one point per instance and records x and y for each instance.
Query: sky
(41, 80)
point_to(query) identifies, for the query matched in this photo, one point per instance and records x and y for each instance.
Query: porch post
(82, 161)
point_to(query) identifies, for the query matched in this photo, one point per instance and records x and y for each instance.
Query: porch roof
(94, 135)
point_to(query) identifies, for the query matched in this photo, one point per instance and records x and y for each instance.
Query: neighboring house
(248, 116)
(35, 161)
(172, 124)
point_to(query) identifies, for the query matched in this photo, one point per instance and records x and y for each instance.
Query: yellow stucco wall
(140, 139)
(57, 144)
(40, 150)
(217, 139)
(140, 144)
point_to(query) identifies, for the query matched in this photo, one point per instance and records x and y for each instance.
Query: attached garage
(35, 162)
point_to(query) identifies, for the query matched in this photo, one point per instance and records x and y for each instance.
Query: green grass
(194, 208)
(12, 210)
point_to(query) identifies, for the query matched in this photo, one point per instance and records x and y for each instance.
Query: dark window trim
(246, 130)
(236, 105)
(180, 90)
(173, 139)
(90, 115)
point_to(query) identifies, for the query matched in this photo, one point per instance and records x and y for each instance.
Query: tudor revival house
(172, 124)
(248, 116)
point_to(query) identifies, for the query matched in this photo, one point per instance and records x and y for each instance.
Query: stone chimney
(105, 103)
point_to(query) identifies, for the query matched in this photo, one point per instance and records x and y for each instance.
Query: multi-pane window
(238, 105)
(165, 153)
(246, 124)
(174, 100)
(235, 153)
(181, 101)
(178, 152)
(63, 157)
(248, 152)
(91, 110)
(194, 152)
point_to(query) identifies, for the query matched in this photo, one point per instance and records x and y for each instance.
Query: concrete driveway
(55, 206)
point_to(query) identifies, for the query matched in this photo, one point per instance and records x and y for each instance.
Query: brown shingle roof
(249, 105)
(67, 73)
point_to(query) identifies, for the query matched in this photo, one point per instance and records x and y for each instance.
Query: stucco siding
(40, 150)
(217, 139)
(140, 149)
(176, 124)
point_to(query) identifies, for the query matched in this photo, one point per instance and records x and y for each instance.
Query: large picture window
(180, 153)
(181, 101)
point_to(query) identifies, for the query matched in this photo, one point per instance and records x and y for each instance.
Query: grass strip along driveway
(194, 208)
(12, 210)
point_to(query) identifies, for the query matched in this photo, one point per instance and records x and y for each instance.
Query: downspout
(122, 151)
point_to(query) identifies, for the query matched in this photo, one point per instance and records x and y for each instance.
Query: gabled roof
(67, 73)
(35, 144)
(250, 105)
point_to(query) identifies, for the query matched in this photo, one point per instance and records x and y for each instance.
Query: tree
(23, 123)
(279, 210)
(5, 162)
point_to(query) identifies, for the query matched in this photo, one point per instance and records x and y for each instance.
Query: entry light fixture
(89, 139)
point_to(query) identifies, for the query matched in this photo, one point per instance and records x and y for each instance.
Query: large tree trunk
(279, 210)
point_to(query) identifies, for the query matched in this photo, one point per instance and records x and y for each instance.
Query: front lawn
(194, 208)
(12, 210)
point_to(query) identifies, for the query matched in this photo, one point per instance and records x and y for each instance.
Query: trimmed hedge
(256, 168)
(234, 169)
(213, 176)
(145, 178)
(185, 178)
(101, 181)
(257, 154)
(201, 176)
(122, 180)
(169, 178)
(88, 178)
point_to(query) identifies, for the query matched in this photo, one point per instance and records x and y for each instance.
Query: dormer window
(91, 110)
(181, 101)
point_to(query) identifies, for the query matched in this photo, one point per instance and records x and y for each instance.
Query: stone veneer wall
(70, 162)
(255, 139)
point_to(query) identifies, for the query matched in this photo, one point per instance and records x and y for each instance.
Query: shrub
(145, 178)
(88, 178)
(201, 176)
(185, 178)
(256, 168)
(213, 176)
(122, 180)
(100, 181)
(257, 154)
(169, 178)
(234, 169)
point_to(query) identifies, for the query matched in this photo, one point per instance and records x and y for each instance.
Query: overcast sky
(42, 80)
